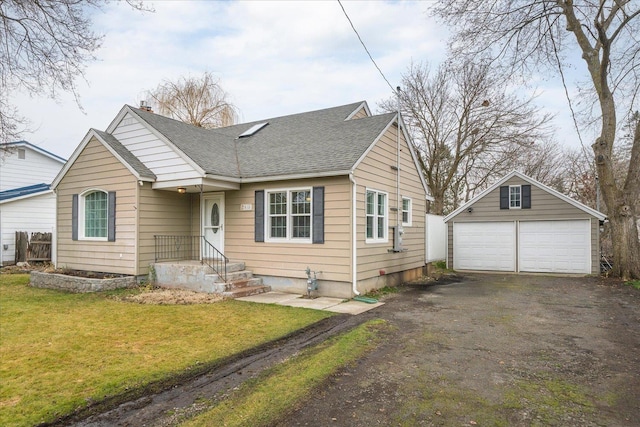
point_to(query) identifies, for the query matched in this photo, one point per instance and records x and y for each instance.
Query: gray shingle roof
(313, 142)
(126, 155)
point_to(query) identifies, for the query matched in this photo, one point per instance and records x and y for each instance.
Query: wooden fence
(36, 248)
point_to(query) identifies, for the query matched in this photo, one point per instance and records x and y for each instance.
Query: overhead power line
(365, 47)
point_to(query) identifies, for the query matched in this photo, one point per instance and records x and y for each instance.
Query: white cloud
(273, 58)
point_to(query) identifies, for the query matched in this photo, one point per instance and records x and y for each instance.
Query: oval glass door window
(215, 217)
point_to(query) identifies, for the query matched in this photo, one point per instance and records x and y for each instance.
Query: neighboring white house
(26, 201)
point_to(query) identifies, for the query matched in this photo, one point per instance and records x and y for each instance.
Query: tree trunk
(626, 244)
(621, 200)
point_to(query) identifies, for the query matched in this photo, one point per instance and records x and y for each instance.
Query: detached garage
(521, 225)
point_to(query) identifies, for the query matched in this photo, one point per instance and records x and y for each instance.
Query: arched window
(93, 215)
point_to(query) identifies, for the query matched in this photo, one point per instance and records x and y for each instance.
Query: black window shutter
(111, 217)
(318, 214)
(74, 217)
(504, 197)
(526, 197)
(259, 219)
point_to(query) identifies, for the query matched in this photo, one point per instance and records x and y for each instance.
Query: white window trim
(410, 212)
(520, 193)
(81, 216)
(385, 228)
(289, 216)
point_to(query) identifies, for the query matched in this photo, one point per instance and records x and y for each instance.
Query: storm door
(213, 220)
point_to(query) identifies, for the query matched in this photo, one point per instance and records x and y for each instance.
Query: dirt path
(495, 350)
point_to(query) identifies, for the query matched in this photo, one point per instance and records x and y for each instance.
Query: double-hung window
(376, 212)
(515, 201)
(406, 211)
(289, 215)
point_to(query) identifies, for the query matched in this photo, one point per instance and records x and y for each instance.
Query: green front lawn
(61, 351)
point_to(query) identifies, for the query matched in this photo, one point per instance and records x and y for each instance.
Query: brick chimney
(145, 107)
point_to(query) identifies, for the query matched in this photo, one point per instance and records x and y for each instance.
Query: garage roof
(532, 181)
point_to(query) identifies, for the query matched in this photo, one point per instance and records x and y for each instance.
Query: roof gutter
(324, 174)
(354, 240)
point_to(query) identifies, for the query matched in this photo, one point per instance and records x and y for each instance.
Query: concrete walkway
(336, 305)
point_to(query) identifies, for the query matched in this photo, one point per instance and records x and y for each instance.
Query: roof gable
(25, 144)
(531, 181)
(137, 168)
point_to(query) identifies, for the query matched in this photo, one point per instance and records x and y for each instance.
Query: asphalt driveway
(494, 350)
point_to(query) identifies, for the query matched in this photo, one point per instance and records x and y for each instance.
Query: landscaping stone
(64, 282)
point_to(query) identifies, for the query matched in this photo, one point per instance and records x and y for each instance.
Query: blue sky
(273, 58)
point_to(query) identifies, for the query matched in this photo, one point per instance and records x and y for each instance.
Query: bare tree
(466, 126)
(530, 34)
(200, 101)
(44, 48)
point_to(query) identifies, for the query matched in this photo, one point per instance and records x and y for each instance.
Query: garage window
(515, 201)
(515, 197)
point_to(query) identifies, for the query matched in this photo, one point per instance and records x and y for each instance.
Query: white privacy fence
(436, 241)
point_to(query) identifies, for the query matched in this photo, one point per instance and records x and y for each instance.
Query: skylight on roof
(253, 129)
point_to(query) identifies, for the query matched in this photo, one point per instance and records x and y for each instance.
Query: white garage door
(484, 246)
(555, 246)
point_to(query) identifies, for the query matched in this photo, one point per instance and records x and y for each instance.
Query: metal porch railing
(196, 248)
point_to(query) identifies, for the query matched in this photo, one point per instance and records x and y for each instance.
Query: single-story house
(26, 201)
(521, 225)
(338, 191)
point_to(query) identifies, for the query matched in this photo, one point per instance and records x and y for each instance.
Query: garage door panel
(554, 246)
(484, 246)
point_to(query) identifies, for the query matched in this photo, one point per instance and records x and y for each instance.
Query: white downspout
(398, 200)
(354, 231)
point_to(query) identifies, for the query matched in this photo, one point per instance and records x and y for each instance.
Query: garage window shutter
(74, 217)
(259, 218)
(526, 197)
(504, 197)
(318, 214)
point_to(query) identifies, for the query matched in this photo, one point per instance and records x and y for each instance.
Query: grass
(549, 400)
(264, 400)
(61, 351)
(633, 283)
(441, 265)
(380, 292)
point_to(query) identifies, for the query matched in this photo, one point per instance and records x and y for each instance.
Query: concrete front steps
(199, 277)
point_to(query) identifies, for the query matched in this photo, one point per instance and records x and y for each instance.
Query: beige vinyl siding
(360, 113)
(291, 259)
(153, 152)
(544, 206)
(375, 173)
(96, 168)
(164, 213)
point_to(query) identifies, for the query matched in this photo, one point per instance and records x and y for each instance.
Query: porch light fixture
(182, 190)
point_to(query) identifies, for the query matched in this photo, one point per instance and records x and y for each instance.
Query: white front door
(213, 220)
